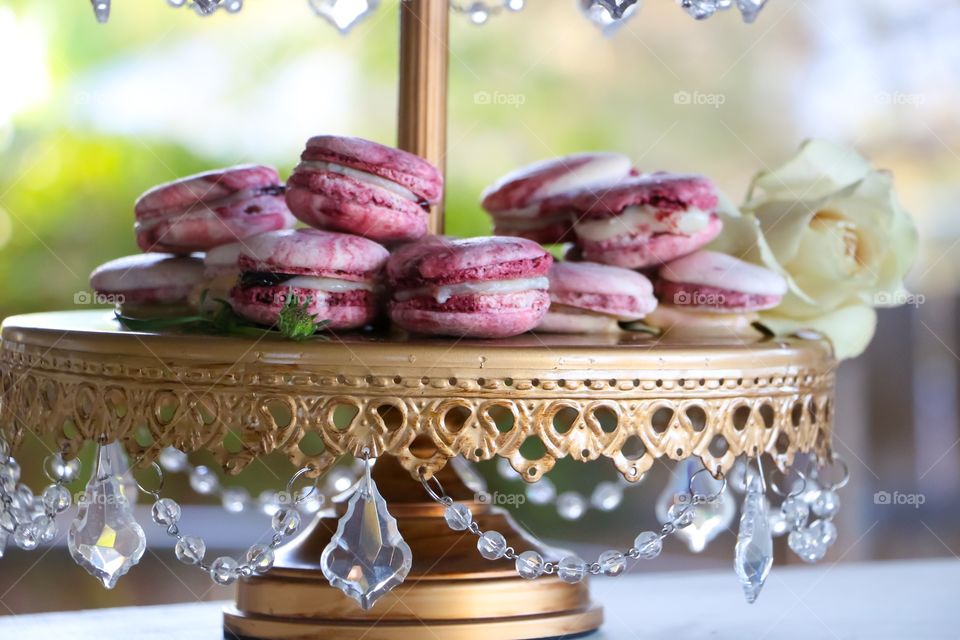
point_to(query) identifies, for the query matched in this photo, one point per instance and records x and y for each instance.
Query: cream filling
(328, 285)
(443, 293)
(644, 221)
(362, 176)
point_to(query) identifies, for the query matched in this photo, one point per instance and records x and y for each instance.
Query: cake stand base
(451, 593)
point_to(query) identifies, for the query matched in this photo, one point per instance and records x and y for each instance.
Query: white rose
(832, 226)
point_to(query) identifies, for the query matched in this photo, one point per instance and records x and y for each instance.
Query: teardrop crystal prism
(367, 557)
(343, 14)
(754, 551)
(710, 518)
(609, 15)
(104, 538)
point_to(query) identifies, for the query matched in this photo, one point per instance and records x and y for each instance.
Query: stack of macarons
(176, 222)
(654, 223)
(228, 235)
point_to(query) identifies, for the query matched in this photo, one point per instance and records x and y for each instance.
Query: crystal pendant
(101, 9)
(754, 551)
(700, 9)
(206, 7)
(709, 518)
(367, 556)
(750, 9)
(105, 539)
(609, 15)
(343, 14)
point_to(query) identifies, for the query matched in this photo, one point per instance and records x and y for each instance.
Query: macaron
(152, 284)
(643, 221)
(364, 188)
(203, 211)
(221, 269)
(717, 282)
(586, 297)
(514, 200)
(492, 287)
(336, 275)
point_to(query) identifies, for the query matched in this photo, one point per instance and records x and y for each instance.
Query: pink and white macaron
(491, 287)
(206, 210)
(151, 284)
(336, 275)
(514, 201)
(364, 188)
(712, 281)
(644, 221)
(586, 297)
(221, 269)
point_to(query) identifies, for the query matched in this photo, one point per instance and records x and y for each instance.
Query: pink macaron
(491, 287)
(364, 188)
(152, 284)
(643, 221)
(206, 210)
(335, 274)
(514, 200)
(586, 297)
(716, 282)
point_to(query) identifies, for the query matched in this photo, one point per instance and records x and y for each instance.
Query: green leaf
(295, 321)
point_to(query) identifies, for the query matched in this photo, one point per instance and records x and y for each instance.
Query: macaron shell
(329, 200)
(314, 252)
(439, 260)
(345, 310)
(210, 186)
(550, 233)
(722, 271)
(680, 322)
(401, 167)
(535, 182)
(148, 278)
(203, 228)
(664, 191)
(713, 299)
(593, 277)
(635, 252)
(478, 316)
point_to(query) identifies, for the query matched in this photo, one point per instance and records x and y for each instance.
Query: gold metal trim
(76, 376)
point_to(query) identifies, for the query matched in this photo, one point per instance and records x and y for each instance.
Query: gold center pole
(424, 50)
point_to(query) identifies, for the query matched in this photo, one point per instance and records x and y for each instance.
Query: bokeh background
(92, 115)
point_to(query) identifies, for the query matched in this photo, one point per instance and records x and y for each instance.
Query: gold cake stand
(415, 403)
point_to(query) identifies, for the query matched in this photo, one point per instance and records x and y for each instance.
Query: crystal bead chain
(225, 570)
(204, 481)
(31, 519)
(530, 564)
(570, 505)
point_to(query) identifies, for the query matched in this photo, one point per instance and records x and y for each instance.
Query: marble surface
(893, 600)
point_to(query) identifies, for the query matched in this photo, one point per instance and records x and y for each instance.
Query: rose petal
(848, 328)
(819, 169)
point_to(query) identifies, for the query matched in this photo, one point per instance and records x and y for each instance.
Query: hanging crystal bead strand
(571, 569)
(27, 519)
(810, 542)
(711, 518)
